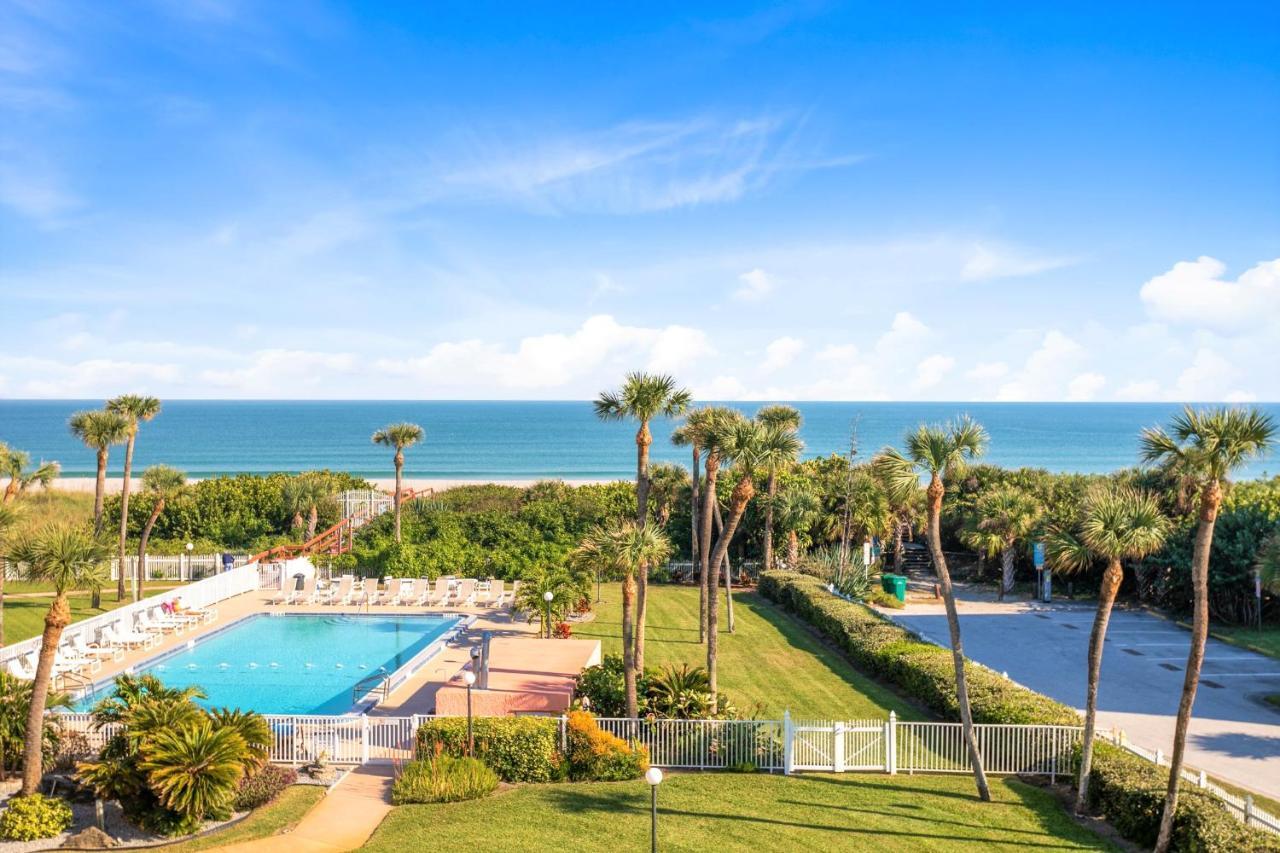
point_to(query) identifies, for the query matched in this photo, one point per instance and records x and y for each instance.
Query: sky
(472, 200)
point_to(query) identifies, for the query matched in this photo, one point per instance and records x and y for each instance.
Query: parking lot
(1234, 735)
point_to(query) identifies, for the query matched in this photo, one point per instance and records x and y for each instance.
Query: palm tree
(399, 436)
(784, 418)
(164, 484)
(305, 494)
(1202, 448)
(666, 482)
(567, 588)
(99, 431)
(794, 510)
(1115, 524)
(193, 769)
(67, 558)
(136, 409)
(940, 451)
(750, 446)
(8, 521)
(693, 434)
(1001, 519)
(642, 398)
(13, 464)
(15, 704)
(627, 549)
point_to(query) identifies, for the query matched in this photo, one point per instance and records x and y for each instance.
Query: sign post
(1046, 576)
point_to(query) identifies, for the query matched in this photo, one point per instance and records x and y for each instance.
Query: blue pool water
(296, 664)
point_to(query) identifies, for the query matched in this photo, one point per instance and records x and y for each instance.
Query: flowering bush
(597, 756)
(561, 631)
(262, 787)
(36, 816)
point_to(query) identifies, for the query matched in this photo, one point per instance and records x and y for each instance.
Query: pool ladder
(379, 681)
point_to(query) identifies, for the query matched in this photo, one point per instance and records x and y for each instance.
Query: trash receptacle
(886, 583)
(899, 587)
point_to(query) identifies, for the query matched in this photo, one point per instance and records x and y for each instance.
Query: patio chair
(339, 594)
(421, 595)
(86, 649)
(465, 595)
(439, 592)
(116, 635)
(497, 592)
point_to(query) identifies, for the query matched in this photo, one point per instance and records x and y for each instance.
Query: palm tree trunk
(643, 440)
(99, 491)
(704, 544)
(742, 493)
(1106, 598)
(768, 521)
(145, 537)
(628, 644)
(728, 571)
(953, 625)
(58, 617)
(1210, 500)
(693, 537)
(4, 568)
(1006, 571)
(11, 490)
(124, 514)
(312, 519)
(396, 497)
(793, 549)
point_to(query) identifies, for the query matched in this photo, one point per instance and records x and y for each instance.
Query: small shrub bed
(33, 817)
(443, 779)
(922, 670)
(1129, 792)
(598, 756)
(880, 598)
(518, 749)
(262, 787)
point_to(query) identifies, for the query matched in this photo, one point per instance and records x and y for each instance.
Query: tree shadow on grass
(853, 782)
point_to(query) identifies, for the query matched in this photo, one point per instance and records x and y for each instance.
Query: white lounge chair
(497, 592)
(440, 593)
(66, 660)
(340, 593)
(420, 595)
(116, 635)
(149, 621)
(20, 667)
(465, 594)
(385, 595)
(96, 650)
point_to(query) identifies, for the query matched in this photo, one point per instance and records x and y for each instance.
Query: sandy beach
(439, 484)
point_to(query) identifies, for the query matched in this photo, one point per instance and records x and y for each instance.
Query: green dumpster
(898, 586)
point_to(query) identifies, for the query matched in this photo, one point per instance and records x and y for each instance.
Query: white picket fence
(180, 567)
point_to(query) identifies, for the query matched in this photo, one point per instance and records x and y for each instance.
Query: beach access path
(1234, 734)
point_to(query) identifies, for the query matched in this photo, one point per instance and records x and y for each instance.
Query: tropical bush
(15, 703)
(33, 817)
(443, 779)
(170, 763)
(262, 786)
(922, 670)
(518, 749)
(678, 692)
(880, 598)
(595, 755)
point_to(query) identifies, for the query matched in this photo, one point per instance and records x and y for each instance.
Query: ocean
(526, 440)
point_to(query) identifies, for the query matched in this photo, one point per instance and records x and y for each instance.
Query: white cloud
(283, 372)
(838, 352)
(95, 377)
(987, 261)
(1195, 293)
(1046, 370)
(756, 285)
(1085, 386)
(1140, 390)
(987, 370)
(780, 353)
(932, 370)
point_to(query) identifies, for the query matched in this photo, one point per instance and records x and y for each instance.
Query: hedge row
(922, 670)
(519, 749)
(1129, 791)
(1126, 788)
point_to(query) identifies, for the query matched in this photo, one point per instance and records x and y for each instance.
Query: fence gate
(839, 745)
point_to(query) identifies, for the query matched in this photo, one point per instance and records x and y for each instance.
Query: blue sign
(1037, 554)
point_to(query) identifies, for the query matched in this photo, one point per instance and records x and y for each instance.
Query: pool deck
(415, 696)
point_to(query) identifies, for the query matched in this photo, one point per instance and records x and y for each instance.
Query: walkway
(1234, 735)
(343, 820)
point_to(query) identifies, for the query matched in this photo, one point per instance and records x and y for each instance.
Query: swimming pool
(294, 663)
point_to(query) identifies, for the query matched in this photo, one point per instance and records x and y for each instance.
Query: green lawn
(24, 617)
(770, 660)
(1266, 641)
(271, 819)
(757, 812)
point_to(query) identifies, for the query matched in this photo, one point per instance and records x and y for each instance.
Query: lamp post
(597, 586)
(189, 547)
(654, 777)
(470, 678)
(547, 597)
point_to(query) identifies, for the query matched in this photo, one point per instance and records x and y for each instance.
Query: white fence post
(837, 751)
(891, 744)
(1248, 809)
(1159, 757)
(364, 738)
(788, 743)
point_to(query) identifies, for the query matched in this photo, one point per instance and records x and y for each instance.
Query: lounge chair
(96, 650)
(465, 595)
(151, 621)
(420, 595)
(438, 593)
(66, 660)
(340, 593)
(20, 667)
(116, 635)
(309, 593)
(200, 614)
(384, 595)
(497, 592)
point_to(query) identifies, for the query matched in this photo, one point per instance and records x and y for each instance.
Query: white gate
(839, 745)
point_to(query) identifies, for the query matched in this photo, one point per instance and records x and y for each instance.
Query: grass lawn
(1266, 641)
(271, 819)
(748, 812)
(24, 617)
(771, 659)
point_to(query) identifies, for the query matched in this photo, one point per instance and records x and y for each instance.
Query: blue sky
(799, 201)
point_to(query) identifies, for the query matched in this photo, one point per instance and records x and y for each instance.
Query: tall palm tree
(67, 558)
(627, 549)
(399, 436)
(136, 409)
(692, 434)
(716, 427)
(164, 484)
(1202, 448)
(784, 418)
(794, 509)
(1002, 519)
(642, 397)
(305, 494)
(99, 430)
(940, 451)
(750, 446)
(1115, 524)
(13, 464)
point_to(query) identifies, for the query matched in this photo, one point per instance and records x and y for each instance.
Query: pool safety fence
(179, 567)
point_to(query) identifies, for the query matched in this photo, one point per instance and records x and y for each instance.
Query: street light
(547, 597)
(654, 777)
(470, 678)
(189, 547)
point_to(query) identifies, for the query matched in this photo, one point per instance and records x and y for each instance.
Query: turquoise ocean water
(521, 440)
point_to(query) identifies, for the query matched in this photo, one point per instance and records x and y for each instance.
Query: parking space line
(1242, 675)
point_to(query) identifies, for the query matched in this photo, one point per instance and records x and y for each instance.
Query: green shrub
(262, 787)
(36, 816)
(443, 779)
(598, 756)
(518, 749)
(880, 598)
(922, 670)
(1129, 791)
